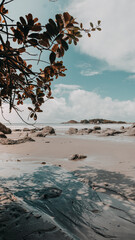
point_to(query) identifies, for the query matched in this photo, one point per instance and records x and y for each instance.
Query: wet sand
(109, 170)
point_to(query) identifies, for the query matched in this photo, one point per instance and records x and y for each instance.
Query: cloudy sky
(100, 81)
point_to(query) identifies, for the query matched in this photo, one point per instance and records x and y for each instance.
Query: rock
(8, 141)
(110, 132)
(4, 129)
(72, 131)
(26, 129)
(70, 122)
(84, 121)
(17, 130)
(77, 157)
(84, 131)
(122, 128)
(51, 193)
(96, 128)
(130, 131)
(40, 134)
(48, 131)
(2, 135)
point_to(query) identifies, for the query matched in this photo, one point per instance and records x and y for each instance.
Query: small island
(95, 121)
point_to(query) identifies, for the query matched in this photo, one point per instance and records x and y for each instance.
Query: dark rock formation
(96, 128)
(8, 141)
(2, 135)
(77, 157)
(4, 129)
(84, 121)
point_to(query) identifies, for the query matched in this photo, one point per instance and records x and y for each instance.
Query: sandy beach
(94, 197)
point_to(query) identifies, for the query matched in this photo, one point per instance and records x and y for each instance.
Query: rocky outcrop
(48, 131)
(130, 131)
(77, 157)
(72, 131)
(4, 129)
(84, 131)
(70, 122)
(2, 135)
(84, 121)
(8, 141)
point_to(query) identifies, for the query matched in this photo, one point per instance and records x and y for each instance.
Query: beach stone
(72, 131)
(77, 157)
(51, 193)
(26, 129)
(2, 135)
(48, 131)
(4, 129)
(40, 134)
(97, 128)
(84, 131)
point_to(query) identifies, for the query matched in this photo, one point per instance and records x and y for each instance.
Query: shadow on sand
(75, 208)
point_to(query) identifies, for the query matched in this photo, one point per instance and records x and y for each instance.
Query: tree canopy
(18, 79)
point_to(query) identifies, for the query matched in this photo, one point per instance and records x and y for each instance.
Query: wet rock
(2, 135)
(84, 131)
(8, 141)
(48, 131)
(51, 193)
(72, 131)
(4, 129)
(77, 157)
(43, 163)
(96, 128)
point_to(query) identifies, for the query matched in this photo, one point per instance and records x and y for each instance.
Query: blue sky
(100, 80)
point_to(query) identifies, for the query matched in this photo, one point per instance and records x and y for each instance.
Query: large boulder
(48, 131)
(4, 129)
(131, 131)
(72, 131)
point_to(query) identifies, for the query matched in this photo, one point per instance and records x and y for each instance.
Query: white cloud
(88, 73)
(132, 77)
(115, 43)
(87, 70)
(80, 104)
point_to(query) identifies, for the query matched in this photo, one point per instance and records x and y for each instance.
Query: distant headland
(95, 121)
